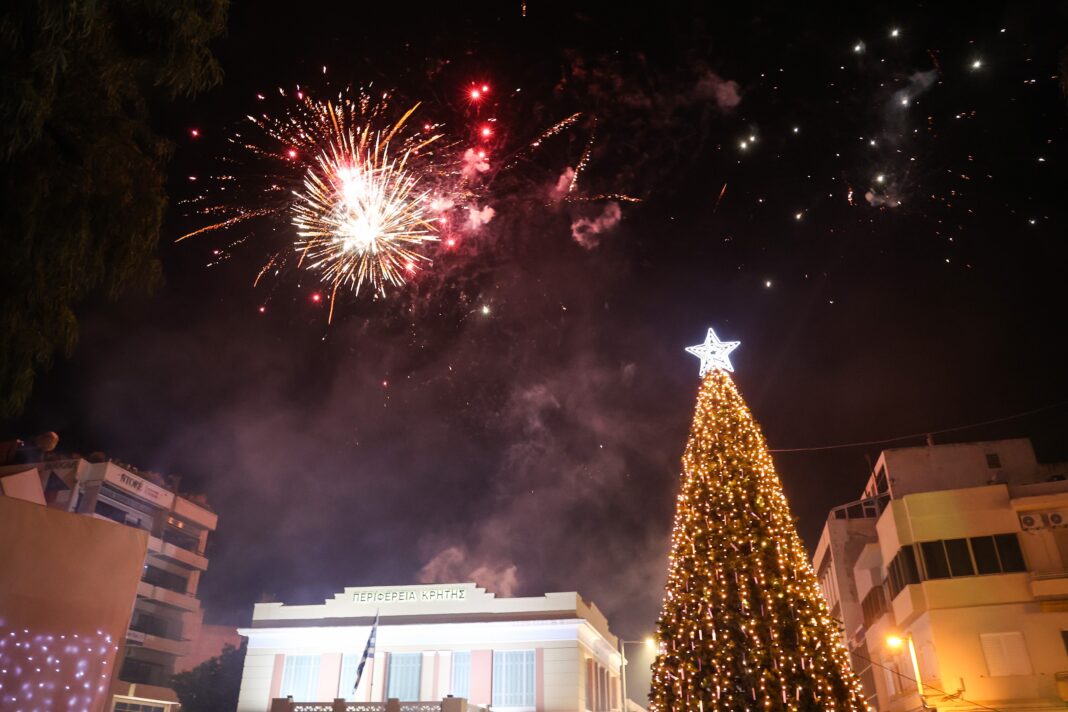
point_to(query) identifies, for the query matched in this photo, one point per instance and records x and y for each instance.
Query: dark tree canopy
(82, 181)
(212, 686)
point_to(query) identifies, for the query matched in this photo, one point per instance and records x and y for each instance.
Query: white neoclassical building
(551, 653)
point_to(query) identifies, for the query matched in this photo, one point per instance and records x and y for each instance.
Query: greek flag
(368, 653)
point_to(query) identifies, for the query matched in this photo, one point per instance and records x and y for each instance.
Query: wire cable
(951, 695)
(921, 434)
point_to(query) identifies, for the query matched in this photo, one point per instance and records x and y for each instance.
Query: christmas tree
(744, 625)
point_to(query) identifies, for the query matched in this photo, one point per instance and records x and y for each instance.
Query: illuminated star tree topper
(714, 354)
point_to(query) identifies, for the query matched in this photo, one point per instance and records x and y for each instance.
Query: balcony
(182, 601)
(156, 642)
(1050, 584)
(177, 554)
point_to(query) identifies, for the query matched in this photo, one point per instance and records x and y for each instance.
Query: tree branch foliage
(82, 182)
(214, 685)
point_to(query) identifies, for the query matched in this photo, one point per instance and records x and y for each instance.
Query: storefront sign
(411, 595)
(138, 486)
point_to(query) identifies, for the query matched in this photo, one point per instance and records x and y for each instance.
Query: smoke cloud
(588, 231)
(474, 164)
(724, 92)
(477, 217)
(563, 184)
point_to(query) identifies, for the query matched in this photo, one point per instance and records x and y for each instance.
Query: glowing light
(880, 178)
(742, 602)
(292, 153)
(798, 216)
(486, 131)
(895, 32)
(976, 64)
(858, 47)
(905, 101)
(714, 354)
(316, 297)
(767, 283)
(650, 642)
(195, 133)
(363, 211)
(476, 94)
(262, 309)
(485, 309)
(797, 129)
(743, 145)
(894, 641)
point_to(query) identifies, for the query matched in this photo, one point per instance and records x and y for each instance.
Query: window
(349, 663)
(966, 557)
(137, 707)
(1006, 654)
(829, 584)
(903, 570)
(300, 678)
(513, 678)
(152, 625)
(894, 679)
(141, 671)
(182, 539)
(993, 460)
(1009, 553)
(881, 484)
(164, 579)
(934, 560)
(874, 605)
(986, 556)
(960, 560)
(404, 675)
(461, 675)
(1064, 639)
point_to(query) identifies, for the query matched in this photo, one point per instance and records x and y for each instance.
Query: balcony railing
(367, 707)
(449, 704)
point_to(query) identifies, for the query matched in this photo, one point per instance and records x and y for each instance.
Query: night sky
(516, 415)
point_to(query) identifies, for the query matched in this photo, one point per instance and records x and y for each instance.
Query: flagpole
(368, 654)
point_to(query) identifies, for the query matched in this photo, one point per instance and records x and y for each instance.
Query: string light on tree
(743, 624)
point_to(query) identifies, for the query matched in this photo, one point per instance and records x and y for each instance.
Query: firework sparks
(363, 191)
(363, 213)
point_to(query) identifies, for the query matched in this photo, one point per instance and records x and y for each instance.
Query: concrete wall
(67, 586)
(954, 466)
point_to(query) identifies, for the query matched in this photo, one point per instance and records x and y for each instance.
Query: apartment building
(167, 613)
(950, 577)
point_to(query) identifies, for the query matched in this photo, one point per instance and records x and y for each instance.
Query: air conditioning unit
(1057, 518)
(1032, 520)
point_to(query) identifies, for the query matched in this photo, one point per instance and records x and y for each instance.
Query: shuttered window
(461, 675)
(404, 675)
(513, 678)
(300, 678)
(1006, 654)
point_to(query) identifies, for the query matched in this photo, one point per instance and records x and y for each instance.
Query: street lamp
(896, 642)
(649, 643)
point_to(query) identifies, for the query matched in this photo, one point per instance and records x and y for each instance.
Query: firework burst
(364, 192)
(364, 213)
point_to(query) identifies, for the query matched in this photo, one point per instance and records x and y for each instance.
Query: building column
(481, 677)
